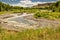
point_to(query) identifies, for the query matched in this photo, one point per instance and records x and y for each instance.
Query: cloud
(27, 3)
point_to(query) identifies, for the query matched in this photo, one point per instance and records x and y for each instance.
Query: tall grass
(38, 34)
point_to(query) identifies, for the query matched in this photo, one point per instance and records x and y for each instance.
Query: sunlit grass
(38, 34)
(6, 12)
(49, 15)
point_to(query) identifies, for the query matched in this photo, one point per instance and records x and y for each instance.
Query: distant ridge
(44, 4)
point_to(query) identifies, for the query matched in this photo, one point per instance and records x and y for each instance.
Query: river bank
(26, 21)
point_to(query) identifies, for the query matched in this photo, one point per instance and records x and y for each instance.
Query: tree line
(55, 7)
(7, 7)
(4, 7)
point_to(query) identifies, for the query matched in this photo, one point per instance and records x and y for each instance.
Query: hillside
(55, 6)
(7, 7)
(4, 7)
(42, 5)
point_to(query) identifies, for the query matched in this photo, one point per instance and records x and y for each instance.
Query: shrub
(51, 15)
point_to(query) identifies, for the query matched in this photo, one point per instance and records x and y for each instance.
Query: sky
(26, 3)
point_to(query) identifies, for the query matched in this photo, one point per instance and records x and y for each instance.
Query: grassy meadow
(38, 34)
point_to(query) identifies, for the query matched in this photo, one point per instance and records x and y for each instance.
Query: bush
(37, 15)
(51, 15)
(55, 7)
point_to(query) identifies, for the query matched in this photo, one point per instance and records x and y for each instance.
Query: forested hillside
(55, 6)
(4, 7)
(7, 7)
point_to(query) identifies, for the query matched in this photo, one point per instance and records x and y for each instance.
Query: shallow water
(22, 20)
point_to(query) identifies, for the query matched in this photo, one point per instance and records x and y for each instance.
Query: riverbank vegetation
(48, 15)
(54, 14)
(16, 9)
(55, 7)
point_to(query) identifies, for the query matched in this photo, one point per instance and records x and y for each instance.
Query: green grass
(38, 34)
(49, 15)
(6, 12)
(20, 11)
(2, 12)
